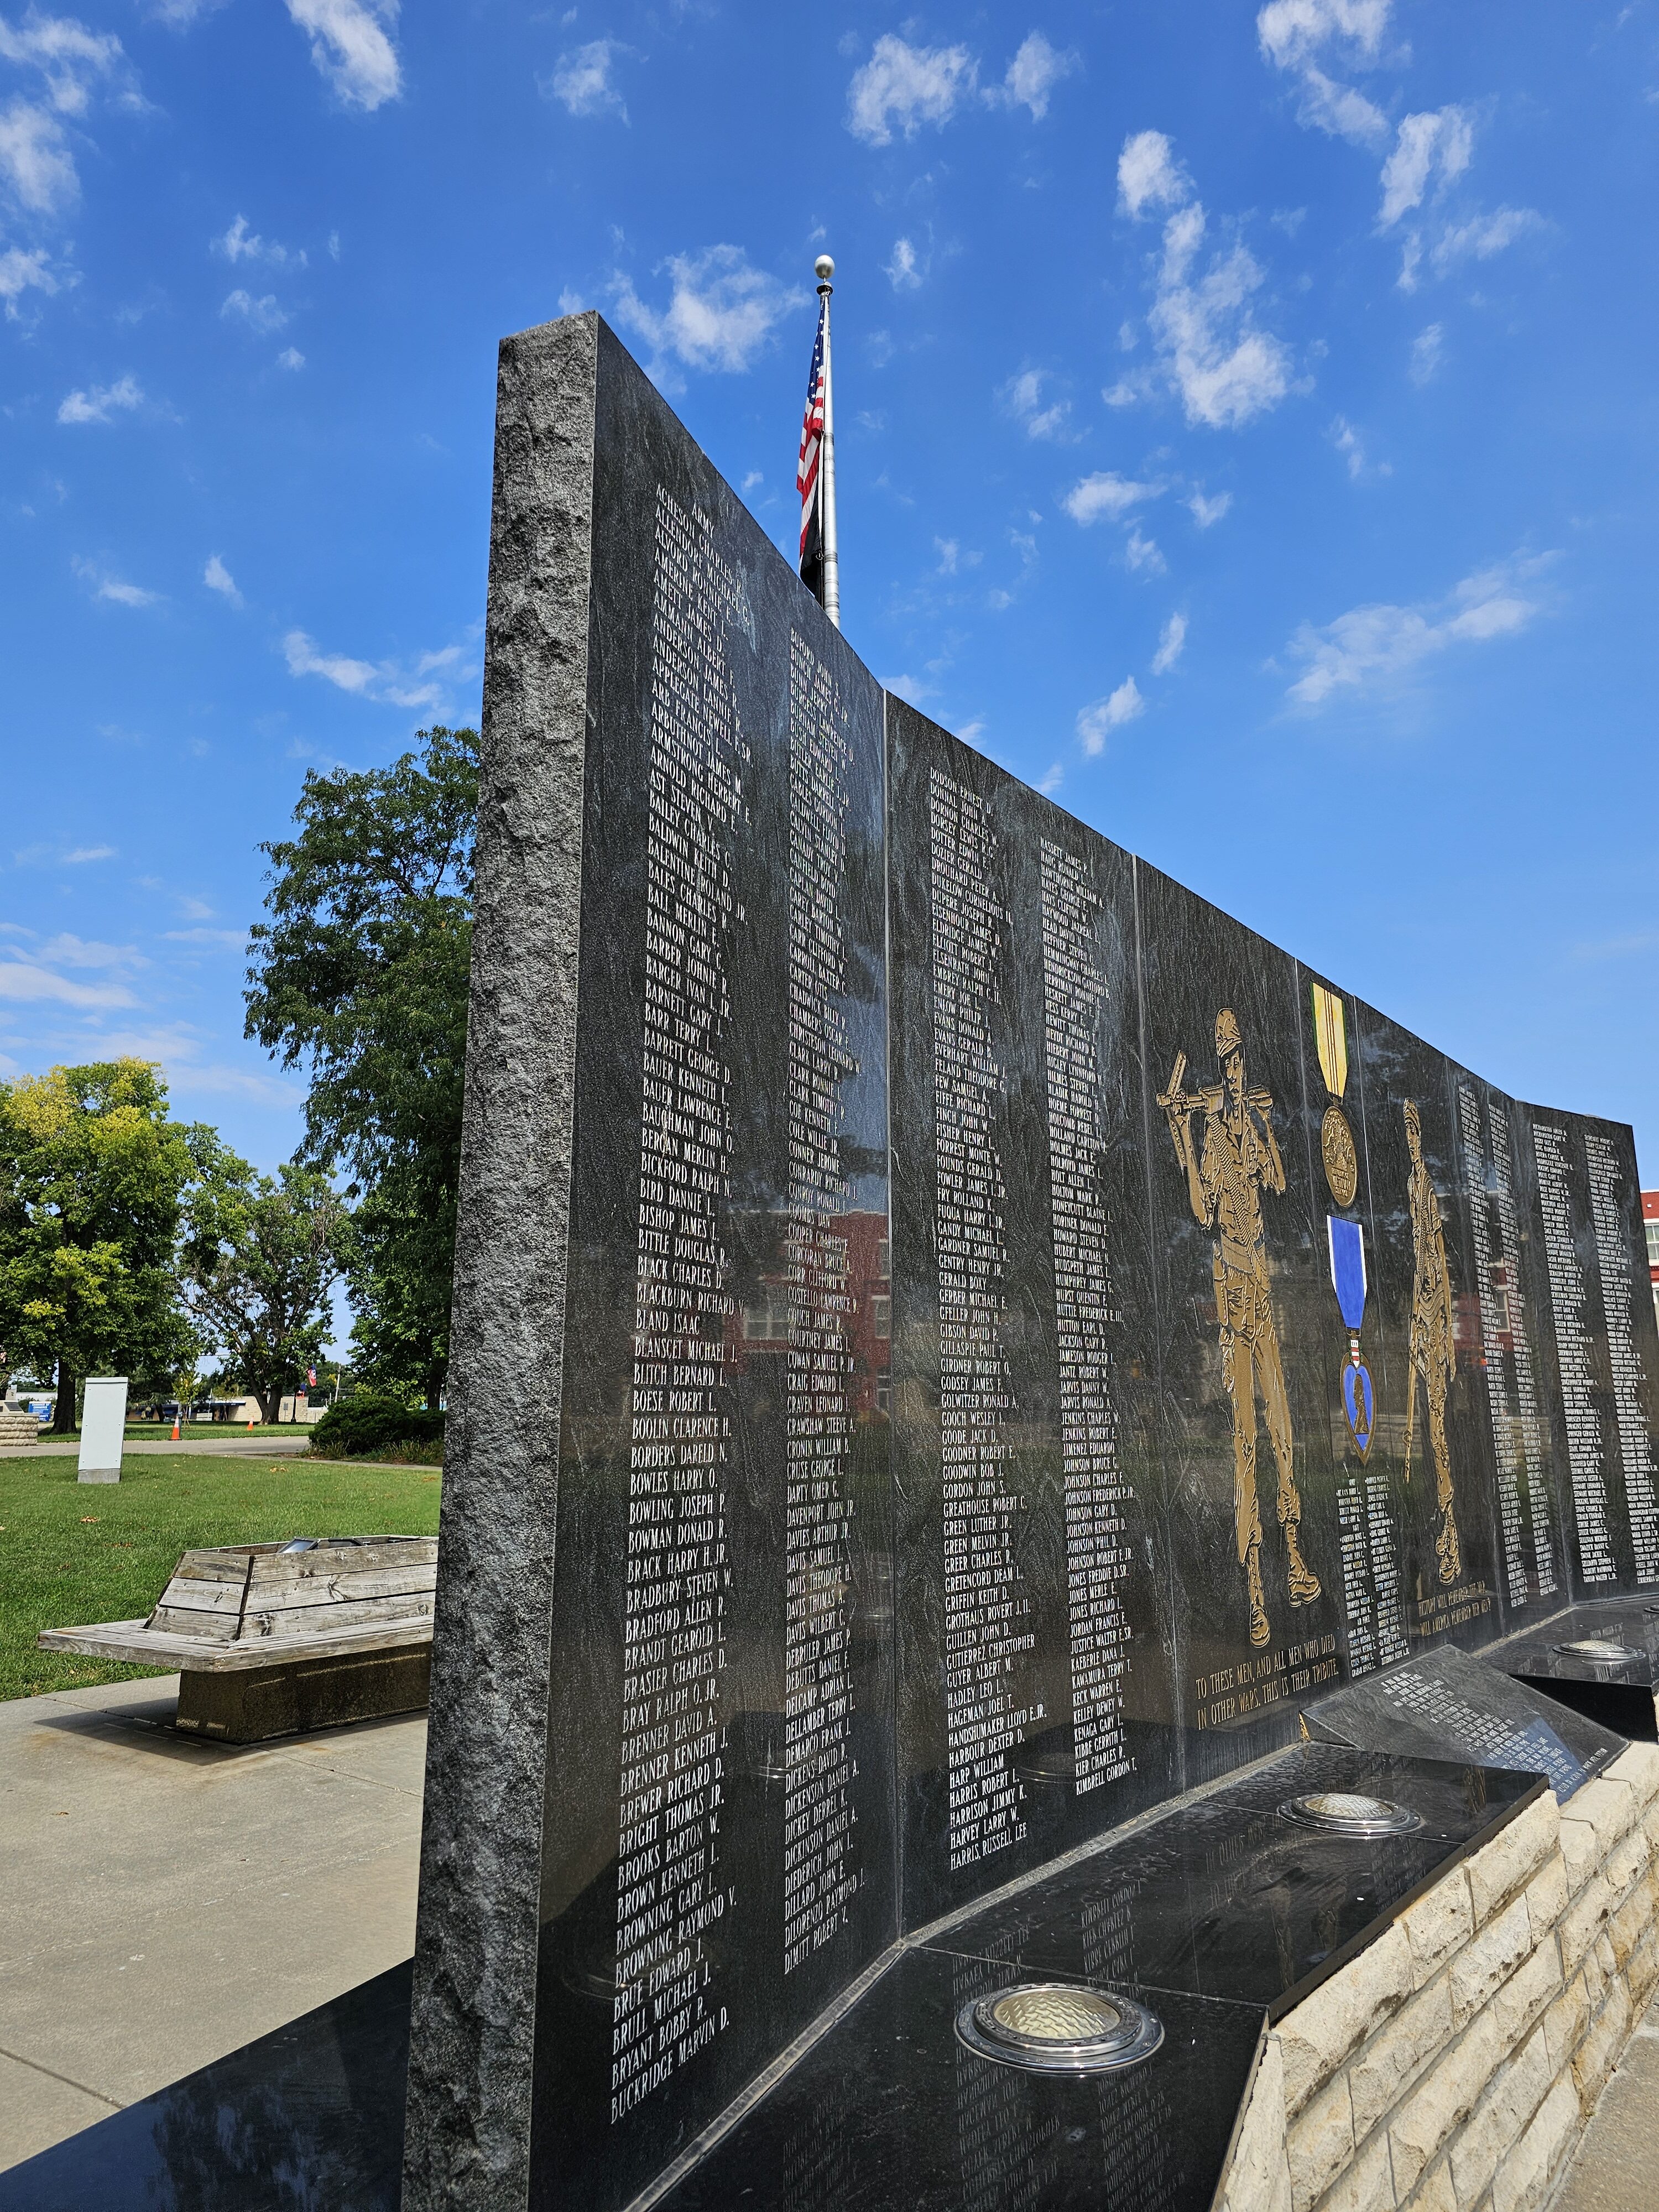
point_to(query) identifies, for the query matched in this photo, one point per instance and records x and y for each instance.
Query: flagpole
(825, 269)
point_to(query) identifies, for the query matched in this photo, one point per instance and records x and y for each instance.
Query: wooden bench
(269, 1640)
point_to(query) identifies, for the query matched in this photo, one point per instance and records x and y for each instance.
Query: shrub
(367, 1425)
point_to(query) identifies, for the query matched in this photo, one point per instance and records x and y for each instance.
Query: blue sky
(1246, 427)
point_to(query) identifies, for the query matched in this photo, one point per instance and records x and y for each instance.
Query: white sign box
(103, 1425)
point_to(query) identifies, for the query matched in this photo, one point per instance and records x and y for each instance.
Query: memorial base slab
(254, 1703)
(1454, 2063)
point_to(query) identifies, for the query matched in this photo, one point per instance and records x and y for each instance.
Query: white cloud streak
(1371, 645)
(1024, 396)
(1430, 149)
(424, 686)
(20, 272)
(1093, 723)
(720, 311)
(1106, 497)
(582, 79)
(903, 273)
(238, 243)
(1171, 642)
(1148, 175)
(1206, 513)
(351, 48)
(262, 315)
(1426, 348)
(115, 589)
(36, 167)
(1032, 75)
(101, 403)
(907, 86)
(23, 982)
(1292, 31)
(218, 578)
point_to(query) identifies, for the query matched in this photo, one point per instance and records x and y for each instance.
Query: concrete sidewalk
(167, 1900)
(1616, 2166)
(242, 1447)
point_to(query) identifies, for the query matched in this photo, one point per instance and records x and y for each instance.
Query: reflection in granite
(1448, 1703)
(307, 2119)
(891, 2113)
(1227, 1898)
(1601, 1659)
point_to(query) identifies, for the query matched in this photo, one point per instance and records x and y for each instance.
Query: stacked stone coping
(1452, 2065)
(18, 1427)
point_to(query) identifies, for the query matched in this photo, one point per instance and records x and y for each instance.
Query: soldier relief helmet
(1227, 1038)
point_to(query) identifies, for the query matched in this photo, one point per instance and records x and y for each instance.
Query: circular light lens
(1056, 2027)
(1596, 1647)
(1344, 1813)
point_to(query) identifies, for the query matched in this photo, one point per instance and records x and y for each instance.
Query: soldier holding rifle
(1227, 1167)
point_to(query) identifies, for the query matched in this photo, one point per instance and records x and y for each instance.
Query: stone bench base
(253, 1704)
(1453, 2064)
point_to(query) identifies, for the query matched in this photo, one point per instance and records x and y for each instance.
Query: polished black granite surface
(890, 2112)
(1448, 1704)
(307, 2119)
(1228, 1898)
(1601, 1659)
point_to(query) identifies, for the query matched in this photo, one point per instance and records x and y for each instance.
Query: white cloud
(1341, 112)
(908, 86)
(106, 586)
(1148, 176)
(1207, 512)
(97, 405)
(1171, 639)
(1425, 354)
(581, 79)
(1226, 370)
(262, 315)
(1428, 150)
(85, 853)
(903, 273)
(67, 951)
(290, 357)
(426, 685)
(1141, 552)
(19, 272)
(1034, 72)
(238, 243)
(1345, 439)
(720, 311)
(1105, 494)
(1292, 31)
(218, 578)
(35, 163)
(351, 48)
(1370, 645)
(1052, 781)
(1024, 396)
(1483, 236)
(1110, 713)
(232, 940)
(304, 660)
(23, 982)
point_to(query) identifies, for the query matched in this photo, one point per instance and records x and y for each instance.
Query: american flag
(807, 475)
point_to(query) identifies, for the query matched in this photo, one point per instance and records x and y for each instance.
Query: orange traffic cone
(175, 1428)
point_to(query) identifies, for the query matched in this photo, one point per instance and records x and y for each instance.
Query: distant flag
(311, 1378)
(809, 474)
(815, 471)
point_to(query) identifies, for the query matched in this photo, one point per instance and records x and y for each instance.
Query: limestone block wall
(1451, 2066)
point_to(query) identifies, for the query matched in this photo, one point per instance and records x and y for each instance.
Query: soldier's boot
(1260, 1630)
(1304, 1583)
(1446, 1549)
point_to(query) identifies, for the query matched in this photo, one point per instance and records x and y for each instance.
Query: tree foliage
(259, 1257)
(91, 1177)
(360, 975)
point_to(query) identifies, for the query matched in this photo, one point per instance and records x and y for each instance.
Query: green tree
(259, 1260)
(361, 974)
(92, 1174)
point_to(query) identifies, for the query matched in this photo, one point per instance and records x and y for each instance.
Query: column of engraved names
(1572, 1355)
(1613, 1257)
(984, 1607)
(668, 1891)
(1499, 1408)
(820, 1869)
(1097, 1555)
(1525, 1381)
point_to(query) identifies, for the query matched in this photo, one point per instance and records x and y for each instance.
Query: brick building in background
(1650, 1223)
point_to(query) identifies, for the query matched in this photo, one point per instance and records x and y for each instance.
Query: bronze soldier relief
(1433, 1353)
(1234, 1159)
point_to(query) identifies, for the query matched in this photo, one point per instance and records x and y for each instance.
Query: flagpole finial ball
(823, 268)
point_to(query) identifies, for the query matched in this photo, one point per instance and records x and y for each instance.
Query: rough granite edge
(467, 2140)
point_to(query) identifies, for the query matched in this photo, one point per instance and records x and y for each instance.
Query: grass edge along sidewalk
(72, 1552)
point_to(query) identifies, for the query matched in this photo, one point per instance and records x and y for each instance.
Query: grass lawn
(73, 1553)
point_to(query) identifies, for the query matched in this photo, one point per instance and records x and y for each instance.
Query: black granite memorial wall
(956, 1342)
